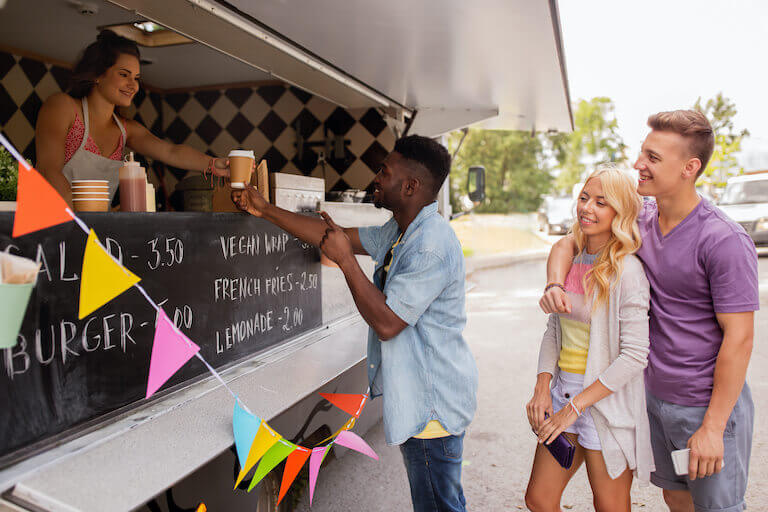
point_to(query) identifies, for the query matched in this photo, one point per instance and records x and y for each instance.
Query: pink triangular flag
(170, 351)
(353, 441)
(318, 454)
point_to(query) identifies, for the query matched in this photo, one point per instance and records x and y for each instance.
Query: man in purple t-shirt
(702, 268)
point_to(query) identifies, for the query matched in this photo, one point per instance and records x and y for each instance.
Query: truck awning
(453, 63)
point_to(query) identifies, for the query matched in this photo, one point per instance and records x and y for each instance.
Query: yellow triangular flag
(264, 440)
(347, 426)
(103, 278)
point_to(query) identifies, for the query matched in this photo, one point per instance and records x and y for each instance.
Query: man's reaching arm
(370, 301)
(306, 228)
(559, 263)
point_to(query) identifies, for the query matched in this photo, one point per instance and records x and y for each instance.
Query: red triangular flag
(39, 206)
(293, 465)
(351, 404)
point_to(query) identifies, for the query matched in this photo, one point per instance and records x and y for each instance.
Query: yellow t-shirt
(574, 327)
(433, 430)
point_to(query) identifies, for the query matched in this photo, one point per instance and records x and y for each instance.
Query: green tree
(720, 111)
(515, 175)
(595, 139)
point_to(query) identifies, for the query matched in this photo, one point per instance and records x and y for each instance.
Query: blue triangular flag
(245, 425)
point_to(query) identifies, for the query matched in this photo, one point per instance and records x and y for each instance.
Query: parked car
(745, 200)
(556, 215)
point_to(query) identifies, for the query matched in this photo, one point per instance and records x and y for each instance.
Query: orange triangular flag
(293, 465)
(264, 440)
(39, 206)
(351, 404)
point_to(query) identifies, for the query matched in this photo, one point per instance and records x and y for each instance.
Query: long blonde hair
(620, 192)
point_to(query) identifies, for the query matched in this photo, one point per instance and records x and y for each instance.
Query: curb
(477, 263)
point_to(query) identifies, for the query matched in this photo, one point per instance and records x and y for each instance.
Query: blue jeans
(434, 473)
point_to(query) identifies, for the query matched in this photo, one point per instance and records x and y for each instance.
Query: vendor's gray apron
(85, 165)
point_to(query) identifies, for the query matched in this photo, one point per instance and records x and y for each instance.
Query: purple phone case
(562, 449)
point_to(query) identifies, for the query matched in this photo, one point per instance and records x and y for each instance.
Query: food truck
(319, 91)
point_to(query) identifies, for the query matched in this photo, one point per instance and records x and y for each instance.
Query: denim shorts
(566, 387)
(671, 427)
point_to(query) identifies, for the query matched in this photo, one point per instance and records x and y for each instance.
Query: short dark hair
(429, 153)
(691, 124)
(96, 59)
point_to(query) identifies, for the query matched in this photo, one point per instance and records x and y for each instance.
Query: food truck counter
(275, 323)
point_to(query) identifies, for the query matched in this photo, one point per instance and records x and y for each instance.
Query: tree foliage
(595, 139)
(516, 176)
(720, 111)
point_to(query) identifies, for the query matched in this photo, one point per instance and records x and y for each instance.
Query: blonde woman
(590, 375)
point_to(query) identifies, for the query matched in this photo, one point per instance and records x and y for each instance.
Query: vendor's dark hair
(97, 58)
(429, 153)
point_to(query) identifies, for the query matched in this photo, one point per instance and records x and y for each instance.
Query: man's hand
(555, 300)
(220, 167)
(335, 244)
(707, 449)
(249, 200)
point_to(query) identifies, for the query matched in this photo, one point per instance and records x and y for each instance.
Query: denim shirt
(427, 371)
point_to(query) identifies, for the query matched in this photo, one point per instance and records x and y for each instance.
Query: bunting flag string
(103, 278)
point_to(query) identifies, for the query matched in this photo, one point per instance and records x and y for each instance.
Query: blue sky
(663, 54)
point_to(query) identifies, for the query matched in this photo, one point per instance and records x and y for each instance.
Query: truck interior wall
(261, 117)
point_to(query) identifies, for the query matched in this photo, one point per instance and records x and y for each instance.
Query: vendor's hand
(706, 456)
(556, 424)
(220, 167)
(249, 200)
(540, 404)
(555, 300)
(335, 244)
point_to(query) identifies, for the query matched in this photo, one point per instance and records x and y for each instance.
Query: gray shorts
(671, 427)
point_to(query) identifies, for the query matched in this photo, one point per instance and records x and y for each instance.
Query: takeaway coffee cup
(240, 167)
(91, 204)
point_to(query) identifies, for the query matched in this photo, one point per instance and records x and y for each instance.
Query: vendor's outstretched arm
(308, 229)
(559, 263)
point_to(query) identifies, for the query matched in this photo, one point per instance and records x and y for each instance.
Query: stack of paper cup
(90, 195)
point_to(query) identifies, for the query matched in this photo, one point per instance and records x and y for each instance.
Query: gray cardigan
(618, 353)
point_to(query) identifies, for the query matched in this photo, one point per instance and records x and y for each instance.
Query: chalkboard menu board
(234, 284)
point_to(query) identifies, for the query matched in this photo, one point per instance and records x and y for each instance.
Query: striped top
(575, 325)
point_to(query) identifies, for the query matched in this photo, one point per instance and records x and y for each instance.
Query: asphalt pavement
(504, 330)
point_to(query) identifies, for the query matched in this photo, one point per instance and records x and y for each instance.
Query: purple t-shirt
(707, 264)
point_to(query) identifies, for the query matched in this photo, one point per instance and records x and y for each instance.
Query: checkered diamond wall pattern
(267, 119)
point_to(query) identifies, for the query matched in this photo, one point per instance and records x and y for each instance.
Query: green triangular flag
(279, 451)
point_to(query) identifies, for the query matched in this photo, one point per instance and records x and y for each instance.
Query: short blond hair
(691, 124)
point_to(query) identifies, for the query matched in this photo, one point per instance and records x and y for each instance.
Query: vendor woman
(79, 134)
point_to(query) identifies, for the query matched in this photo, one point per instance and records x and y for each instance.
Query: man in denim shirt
(418, 358)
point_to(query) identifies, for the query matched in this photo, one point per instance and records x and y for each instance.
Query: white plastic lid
(242, 152)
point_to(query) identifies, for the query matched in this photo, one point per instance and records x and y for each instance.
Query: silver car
(745, 200)
(556, 215)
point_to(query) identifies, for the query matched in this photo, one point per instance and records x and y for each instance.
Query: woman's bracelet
(576, 409)
(553, 285)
